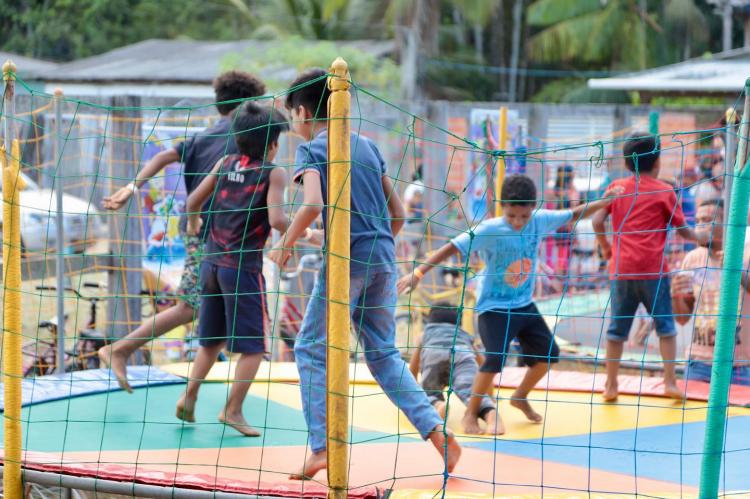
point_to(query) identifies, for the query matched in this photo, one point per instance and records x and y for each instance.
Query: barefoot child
(447, 356)
(198, 154)
(376, 217)
(248, 194)
(509, 246)
(637, 267)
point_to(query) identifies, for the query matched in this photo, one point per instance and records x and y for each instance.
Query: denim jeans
(701, 371)
(373, 305)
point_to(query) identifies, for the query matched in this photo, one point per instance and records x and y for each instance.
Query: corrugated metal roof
(721, 73)
(179, 61)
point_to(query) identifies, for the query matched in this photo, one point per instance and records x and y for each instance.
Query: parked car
(83, 223)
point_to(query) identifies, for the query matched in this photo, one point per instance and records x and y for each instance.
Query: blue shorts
(701, 371)
(628, 294)
(233, 309)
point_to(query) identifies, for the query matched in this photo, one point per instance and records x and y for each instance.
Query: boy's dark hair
(312, 96)
(518, 189)
(444, 312)
(234, 85)
(256, 127)
(641, 150)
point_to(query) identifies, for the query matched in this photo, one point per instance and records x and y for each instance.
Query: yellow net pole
(12, 184)
(337, 290)
(501, 161)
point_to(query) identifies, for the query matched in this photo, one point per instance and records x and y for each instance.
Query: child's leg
(115, 356)
(539, 351)
(204, 361)
(625, 299)
(244, 374)
(465, 371)
(658, 302)
(374, 320)
(435, 372)
(212, 337)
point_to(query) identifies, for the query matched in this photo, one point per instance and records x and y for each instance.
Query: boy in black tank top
(245, 193)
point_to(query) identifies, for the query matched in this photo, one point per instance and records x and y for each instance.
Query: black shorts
(498, 328)
(233, 309)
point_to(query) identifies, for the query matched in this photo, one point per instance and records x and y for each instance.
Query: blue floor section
(671, 453)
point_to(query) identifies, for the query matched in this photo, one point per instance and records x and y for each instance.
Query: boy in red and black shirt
(637, 264)
(248, 194)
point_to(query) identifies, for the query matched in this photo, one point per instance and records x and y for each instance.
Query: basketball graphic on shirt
(518, 272)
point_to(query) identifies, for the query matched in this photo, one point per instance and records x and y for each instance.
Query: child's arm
(395, 206)
(198, 198)
(411, 281)
(690, 234)
(600, 217)
(414, 361)
(151, 168)
(275, 201)
(588, 209)
(310, 210)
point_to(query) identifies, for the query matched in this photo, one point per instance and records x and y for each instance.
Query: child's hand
(118, 199)
(682, 284)
(316, 237)
(407, 284)
(194, 225)
(612, 192)
(279, 254)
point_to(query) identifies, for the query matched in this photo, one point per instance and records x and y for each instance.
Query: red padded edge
(569, 381)
(39, 461)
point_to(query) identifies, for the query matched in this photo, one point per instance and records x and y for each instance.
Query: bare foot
(446, 444)
(611, 392)
(494, 422)
(522, 404)
(118, 364)
(185, 409)
(313, 464)
(470, 423)
(671, 390)
(439, 406)
(238, 422)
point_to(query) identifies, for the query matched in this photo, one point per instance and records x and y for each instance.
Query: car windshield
(30, 184)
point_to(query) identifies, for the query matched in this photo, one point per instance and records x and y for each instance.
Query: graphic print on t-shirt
(518, 272)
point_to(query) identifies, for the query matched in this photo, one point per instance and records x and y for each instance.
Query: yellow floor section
(565, 413)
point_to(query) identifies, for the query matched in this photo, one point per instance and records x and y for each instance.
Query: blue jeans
(373, 304)
(701, 371)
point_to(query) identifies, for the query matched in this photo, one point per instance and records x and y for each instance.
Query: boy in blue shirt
(376, 217)
(509, 246)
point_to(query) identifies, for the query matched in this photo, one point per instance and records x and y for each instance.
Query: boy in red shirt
(637, 267)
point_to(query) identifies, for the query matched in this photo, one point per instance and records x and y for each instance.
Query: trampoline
(102, 438)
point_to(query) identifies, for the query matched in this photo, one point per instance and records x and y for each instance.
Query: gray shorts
(437, 375)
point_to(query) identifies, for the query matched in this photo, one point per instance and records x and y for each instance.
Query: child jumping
(509, 246)
(248, 197)
(198, 154)
(447, 356)
(637, 267)
(373, 294)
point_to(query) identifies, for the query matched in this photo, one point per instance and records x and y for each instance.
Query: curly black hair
(519, 190)
(310, 90)
(233, 86)
(445, 313)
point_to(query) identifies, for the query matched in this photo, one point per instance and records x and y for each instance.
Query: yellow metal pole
(12, 183)
(337, 290)
(501, 161)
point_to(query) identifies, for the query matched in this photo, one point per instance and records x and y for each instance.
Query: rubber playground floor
(641, 445)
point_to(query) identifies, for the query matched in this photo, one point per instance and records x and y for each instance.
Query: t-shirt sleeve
(303, 162)
(675, 214)
(476, 239)
(550, 220)
(379, 158)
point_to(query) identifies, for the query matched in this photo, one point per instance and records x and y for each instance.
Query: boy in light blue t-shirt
(509, 246)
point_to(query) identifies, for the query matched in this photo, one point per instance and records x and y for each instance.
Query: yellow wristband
(418, 273)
